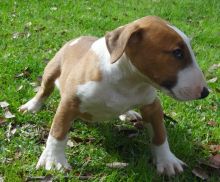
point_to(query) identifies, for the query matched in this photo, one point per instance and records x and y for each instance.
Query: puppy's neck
(121, 70)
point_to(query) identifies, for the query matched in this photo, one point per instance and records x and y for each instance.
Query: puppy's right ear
(117, 40)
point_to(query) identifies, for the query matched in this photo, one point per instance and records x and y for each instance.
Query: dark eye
(178, 53)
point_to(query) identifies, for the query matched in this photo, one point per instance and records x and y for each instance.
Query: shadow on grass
(132, 146)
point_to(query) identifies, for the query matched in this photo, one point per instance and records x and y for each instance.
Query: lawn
(30, 34)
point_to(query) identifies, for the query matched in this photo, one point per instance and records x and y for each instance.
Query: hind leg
(51, 73)
(130, 116)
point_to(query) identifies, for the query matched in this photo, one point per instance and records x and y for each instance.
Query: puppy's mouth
(182, 94)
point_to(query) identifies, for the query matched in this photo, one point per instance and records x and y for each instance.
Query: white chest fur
(120, 89)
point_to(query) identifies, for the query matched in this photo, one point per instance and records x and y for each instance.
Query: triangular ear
(117, 40)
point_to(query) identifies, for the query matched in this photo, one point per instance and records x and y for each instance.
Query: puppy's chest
(106, 101)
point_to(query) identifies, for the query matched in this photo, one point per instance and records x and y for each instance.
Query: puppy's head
(162, 53)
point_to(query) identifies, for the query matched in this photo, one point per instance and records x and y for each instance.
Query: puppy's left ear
(118, 39)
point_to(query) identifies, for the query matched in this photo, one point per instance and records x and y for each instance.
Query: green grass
(55, 22)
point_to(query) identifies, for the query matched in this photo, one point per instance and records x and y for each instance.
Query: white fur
(57, 83)
(32, 105)
(130, 115)
(165, 160)
(190, 80)
(119, 90)
(190, 84)
(74, 42)
(53, 155)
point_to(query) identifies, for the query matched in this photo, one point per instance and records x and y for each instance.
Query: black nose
(205, 93)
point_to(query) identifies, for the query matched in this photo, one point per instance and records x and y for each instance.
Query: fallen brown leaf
(200, 173)
(47, 178)
(2, 120)
(39, 29)
(89, 140)
(77, 139)
(212, 123)
(117, 165)
(17, 155)
(214, 148)
(215, 160)
(84, 176)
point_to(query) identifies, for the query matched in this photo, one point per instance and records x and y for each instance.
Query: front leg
(53, 155)
(166, 162)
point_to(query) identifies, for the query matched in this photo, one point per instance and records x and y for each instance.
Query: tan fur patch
(149, 43)
(152, 54)
(75, 58)
(153, 114)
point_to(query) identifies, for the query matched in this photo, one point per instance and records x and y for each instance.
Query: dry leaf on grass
(89, 140)
(17, 155)
(36, 86)
(39, 29)
(215, 161)
(4, 104)
(213, 80)
(25, 73)
(117, 165)
(77, 139)
(36, 89)
(214, 148)
(53, 8)
(15, 35)
(70, 143)
(27, 25)
(212, 123)
(2, 120)
(20, 88)
(84, 176)
(47, 178)
(214, 67)
(10, 131)
(8, 114)
(200, 173)
(1, 179)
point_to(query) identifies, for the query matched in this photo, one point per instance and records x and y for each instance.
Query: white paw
(51, 159)
(169, 165)
(130, 116)
(166, 162)
(53, 156)
(32, 105)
